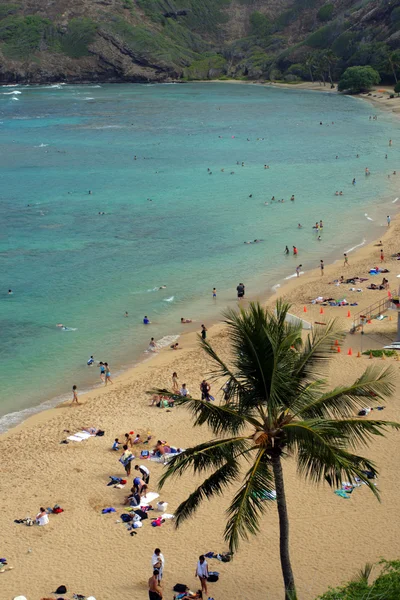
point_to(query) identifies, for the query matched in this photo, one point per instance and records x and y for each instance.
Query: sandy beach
(93, 554)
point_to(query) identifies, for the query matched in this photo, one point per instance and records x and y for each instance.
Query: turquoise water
(68, 264)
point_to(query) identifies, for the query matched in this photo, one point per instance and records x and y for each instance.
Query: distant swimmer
(126, 314)
(240, 290)
(385, 157)
(183, 320)
(266, 166)
(336, 193)
(354, 181)
(10, 292)
(316, 226)
(59, 325)
(321, 225)
(319, 238)
(146, 320)
(162, 287)
(298, 270)
(340, 193)
(357, 156)
(286, 250)
(295, 251)
(367, 171)
(390, 142)
(337, 157)
(214, 292)
(90, 192)
(250, 195)
(273, 199)
(90, 362)
(292, 198)
(346, 260)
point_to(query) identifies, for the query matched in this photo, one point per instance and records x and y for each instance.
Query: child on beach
(75, 395)
(214, 292)
(107, 374)
(116, 444)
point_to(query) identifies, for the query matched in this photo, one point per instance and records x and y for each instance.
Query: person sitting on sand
(116, 444)
(175, 346)
(185, 320)
(133, 499)
(42, 518)
(138, 439)
(184, 391)
(188, 595)
(162, 448)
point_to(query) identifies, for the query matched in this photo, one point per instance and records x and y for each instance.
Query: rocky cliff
(163, 40)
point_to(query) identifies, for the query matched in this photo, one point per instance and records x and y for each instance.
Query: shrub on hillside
(80, 34)
(325, 12)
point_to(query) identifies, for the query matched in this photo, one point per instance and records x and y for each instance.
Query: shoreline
(188, 339)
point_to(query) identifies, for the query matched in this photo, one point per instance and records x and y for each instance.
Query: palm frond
(212, 486)
(373, 385)
(205, 456)
(248, 504)
(357, 432)
(313, 359)
(321, 454)
(220, 418)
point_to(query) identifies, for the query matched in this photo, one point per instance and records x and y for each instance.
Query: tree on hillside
(358, 79)
(277, 405)
(394, 62)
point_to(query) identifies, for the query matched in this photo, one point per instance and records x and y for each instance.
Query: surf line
(395, 200)
(354, 247)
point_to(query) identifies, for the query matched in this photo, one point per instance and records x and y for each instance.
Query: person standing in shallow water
(240, 290)
(321, 265)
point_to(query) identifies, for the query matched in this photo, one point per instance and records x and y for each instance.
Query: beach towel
(148, 498)
(342, 493)
(79, 436)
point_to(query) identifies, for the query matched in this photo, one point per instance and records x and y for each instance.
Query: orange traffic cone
(348, 313)
(338, 349)
(321, 311)
(305, 309)
(358, 354)
(350, 352)
(369, 321)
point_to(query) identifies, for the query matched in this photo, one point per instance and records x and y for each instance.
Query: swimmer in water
(273, 199)
(321, 225)
(367, 171)
(336, 193)
(90, 192)
(354, 181)
(250, 195)
(126, 314)
(299, 226)
(162, 287)
(286, 250)
(185, 320)
(146, 320)
(340, 193)
(292, 198)
(319, 238)
(10, 292)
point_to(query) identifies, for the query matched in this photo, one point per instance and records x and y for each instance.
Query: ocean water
(168, 221)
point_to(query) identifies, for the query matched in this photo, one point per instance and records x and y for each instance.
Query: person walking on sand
(126, 459)
(158, 562)
(382, 255)
(203, 332)
(107, 374)
(388, 219)
(205, 390)
(202, 573)
(155, 590)
(298, 270)
(74, 395)
(346, 260)
(321, 265)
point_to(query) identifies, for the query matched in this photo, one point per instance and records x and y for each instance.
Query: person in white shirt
(144, 471)
(202, 573)
(157, 562)
(42, 518)
(184, 391)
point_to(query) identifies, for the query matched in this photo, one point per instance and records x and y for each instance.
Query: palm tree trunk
(288, 577)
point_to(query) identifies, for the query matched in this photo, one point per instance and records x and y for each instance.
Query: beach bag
(144, 454)
(180, 587)
(142, 514)
(61, 590)
(126, 518)
(213, 576)
(100, 433)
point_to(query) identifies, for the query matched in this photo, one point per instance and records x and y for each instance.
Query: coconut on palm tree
(277, 405)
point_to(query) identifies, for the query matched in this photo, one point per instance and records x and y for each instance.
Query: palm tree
(277, 405)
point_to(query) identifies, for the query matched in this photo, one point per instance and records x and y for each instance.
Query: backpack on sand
(180, 587)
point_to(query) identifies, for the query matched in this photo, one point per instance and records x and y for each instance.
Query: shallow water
(68, 264)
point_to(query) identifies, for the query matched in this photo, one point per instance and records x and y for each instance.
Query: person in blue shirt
(116, 444)
(146, 321)
(90, 362)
